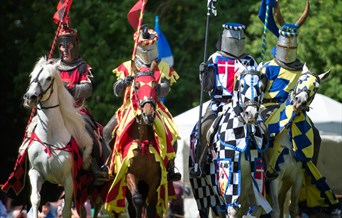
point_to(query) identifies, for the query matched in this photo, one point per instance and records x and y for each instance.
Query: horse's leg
(286, 185)
(294, 207)
(153, 199)
(130, 206)
(68, 194)
(274, 192)
(36, 185)
(137, 198)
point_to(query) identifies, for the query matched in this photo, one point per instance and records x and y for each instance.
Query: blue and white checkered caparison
(234, 26)
(289, 30)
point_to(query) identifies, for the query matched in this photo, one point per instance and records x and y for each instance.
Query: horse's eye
(49, 78)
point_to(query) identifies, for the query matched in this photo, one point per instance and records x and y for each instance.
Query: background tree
(106, 40)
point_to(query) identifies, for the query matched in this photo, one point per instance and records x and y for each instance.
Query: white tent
(326, 114)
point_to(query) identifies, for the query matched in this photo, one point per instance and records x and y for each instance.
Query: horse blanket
(204, 188)
(161, 147)
(232, 141)
(315, 193)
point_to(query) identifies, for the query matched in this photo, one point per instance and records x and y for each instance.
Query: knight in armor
(219, 71)
(280, 75)
(146, 57)
(77, 76)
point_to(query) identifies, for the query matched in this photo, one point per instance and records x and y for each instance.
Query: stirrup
(103, 174)
(172, 176)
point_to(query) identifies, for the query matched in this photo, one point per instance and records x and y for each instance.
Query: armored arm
(121, 84)
(163, 88)
(208, 77)
(82, 91)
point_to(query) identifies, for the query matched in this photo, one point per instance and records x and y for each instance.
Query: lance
(64, 14)
(138, 29)
(200, 154)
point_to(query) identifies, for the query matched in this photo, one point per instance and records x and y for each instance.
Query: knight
(219, 71)
(280, 75)
(77, 76)
(146, 58)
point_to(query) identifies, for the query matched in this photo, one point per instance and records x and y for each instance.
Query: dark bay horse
(140, 166)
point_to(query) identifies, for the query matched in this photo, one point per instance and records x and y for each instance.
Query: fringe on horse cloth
(161, 147)
(315, 192)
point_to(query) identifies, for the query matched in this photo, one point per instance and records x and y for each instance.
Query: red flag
(133, 15)
(63, 9)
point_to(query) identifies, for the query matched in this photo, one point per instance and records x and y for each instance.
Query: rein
(43, 92)
(48, 107)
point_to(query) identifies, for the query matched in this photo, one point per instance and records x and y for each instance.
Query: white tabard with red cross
(226, 70)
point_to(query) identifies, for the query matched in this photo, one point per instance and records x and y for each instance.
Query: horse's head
(247, 93)
(145, 95)
(41, 84)
(306, 88)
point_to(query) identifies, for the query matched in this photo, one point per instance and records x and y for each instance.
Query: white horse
(236, 139)
(290, 170)
(57, 123)
(239, 141)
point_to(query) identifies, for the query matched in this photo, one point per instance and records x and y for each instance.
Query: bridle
(250, 102)
(297, 91)
(141, 103)
(43, 92)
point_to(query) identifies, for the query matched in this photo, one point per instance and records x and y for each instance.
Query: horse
(294, 149)
(56, 127)
(235, 139)
(138, 145)
(59, 148)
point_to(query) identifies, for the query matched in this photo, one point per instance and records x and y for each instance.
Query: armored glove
(128, 80)
(203, 68)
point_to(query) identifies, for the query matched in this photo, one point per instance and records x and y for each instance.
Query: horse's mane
(73, 121)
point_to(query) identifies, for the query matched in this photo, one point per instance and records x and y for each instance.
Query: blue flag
(271, 25)
(164, 50)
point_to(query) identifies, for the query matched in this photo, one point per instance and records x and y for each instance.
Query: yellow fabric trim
(164, 69)
(121, 74)
(309, 192)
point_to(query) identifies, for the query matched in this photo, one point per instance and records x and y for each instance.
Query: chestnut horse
(137, 156)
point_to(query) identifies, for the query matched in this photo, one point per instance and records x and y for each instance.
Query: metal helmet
(232, 39)
(147, 49)
(286, 50)
(68, 35)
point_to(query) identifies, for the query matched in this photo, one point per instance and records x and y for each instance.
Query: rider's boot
(270, 174)
(171, 174)
(101, 174)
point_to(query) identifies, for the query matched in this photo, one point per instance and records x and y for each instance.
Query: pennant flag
(270, 23)
(164, 50)
(211, 7)
(133, 15)
(63, 8)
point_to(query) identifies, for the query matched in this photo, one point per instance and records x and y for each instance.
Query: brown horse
(143, 166)
(139, 146)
